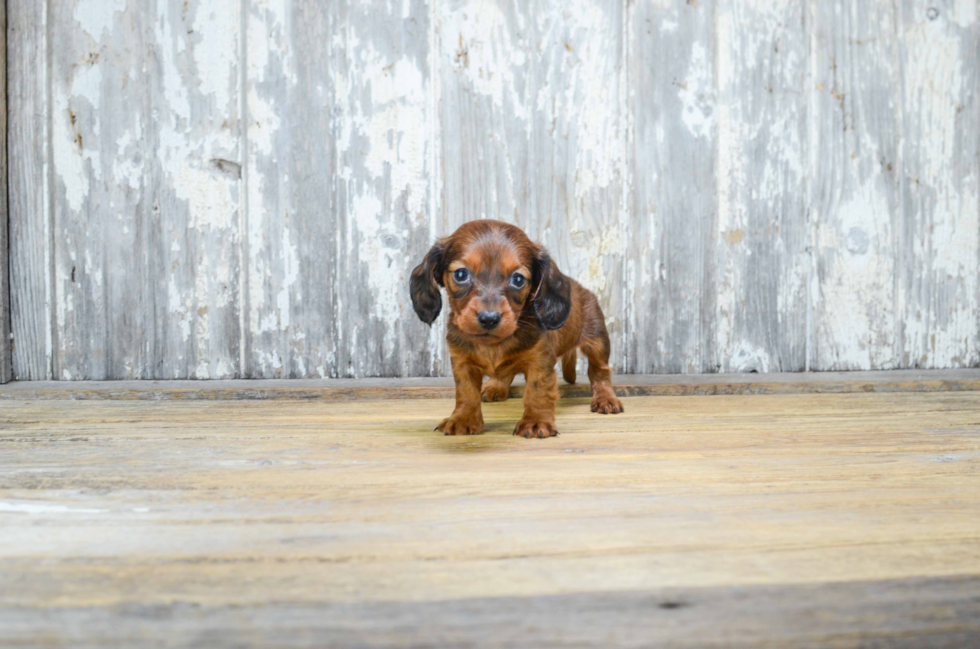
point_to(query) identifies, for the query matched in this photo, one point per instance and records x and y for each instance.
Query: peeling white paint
(547, 100)
(478, 38)
(697, 93)
(71, 151)
(965, 13)
(386, 286)
(290, 260)
(858, 286)
(746, 357)
(96, 17)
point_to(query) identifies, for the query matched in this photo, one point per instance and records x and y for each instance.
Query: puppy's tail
(568, 366)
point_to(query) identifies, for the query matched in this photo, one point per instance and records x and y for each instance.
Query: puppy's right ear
(426, 280)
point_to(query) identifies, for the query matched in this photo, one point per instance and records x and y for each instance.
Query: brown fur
(549, 317)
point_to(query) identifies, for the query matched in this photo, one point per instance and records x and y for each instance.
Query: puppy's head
(497, 280)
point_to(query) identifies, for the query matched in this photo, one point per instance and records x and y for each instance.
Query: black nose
(488, 319)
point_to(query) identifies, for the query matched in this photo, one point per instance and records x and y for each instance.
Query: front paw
(494, 390)
(529, 428)
(461, 425)
(607, 404)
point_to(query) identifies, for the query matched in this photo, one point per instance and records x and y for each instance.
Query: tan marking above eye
(520, 270)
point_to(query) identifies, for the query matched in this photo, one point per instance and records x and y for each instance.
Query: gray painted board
(6, 369)
(240, 188)
(759, 260)
(939, 157)
(674, 215)
(533, 132)
(291, 250)
(30, 237)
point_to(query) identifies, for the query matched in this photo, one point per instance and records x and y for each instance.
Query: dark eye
(517, 281)
(461, 275)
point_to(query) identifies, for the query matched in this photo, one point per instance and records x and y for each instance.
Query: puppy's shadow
(499, 419)
(494, 427)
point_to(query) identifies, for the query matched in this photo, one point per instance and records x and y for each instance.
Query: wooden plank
(577, 105)
(534, 132)
(187, 512)
(96, 114)
(892, 614)
(673, 103)
(534, 122)
(442, 388)
(760, 265)
(855, 198)
(385, 120)
(484, 130)
(938, 232)
(294, 231)
(194, 191)
(30, 251)
(6, 360)
(143, 112)
(485, 120)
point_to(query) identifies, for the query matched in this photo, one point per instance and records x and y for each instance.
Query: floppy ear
(425, 283)
(552, 297)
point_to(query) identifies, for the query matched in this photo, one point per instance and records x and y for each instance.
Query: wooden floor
(789, 520)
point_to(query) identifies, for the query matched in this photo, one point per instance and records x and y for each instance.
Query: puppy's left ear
(552, 297)
(425, 283)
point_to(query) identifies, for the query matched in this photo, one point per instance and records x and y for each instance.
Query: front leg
(497, 388)
(467, 418)
(540, 396)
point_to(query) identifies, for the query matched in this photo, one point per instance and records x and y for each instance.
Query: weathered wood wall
(222, 188)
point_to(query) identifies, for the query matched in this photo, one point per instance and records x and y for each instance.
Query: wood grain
(29, 207)
(912, 613)
(781, 520)
(854, 196)
(97, 90)
(192, 230)
(6, 360)
(759, 260)
(939, 156)
(674, 102)
(293, 251)
(385, 118)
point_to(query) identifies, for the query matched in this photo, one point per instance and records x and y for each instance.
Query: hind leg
(595, 345)
(568, 366)
(497, 388)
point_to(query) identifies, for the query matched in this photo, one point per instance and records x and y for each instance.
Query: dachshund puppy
(513, 312)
